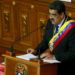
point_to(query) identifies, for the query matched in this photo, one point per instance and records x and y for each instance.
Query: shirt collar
(60, 24)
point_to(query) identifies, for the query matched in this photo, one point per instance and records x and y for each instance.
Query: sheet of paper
(66, 0)
(27, 56)
(51, 61)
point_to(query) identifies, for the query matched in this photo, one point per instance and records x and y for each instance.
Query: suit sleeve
(43, 45)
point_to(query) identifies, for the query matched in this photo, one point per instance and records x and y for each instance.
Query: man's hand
(47, 55)
(30, 50)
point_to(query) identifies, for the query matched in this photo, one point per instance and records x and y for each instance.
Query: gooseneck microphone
(11, 49)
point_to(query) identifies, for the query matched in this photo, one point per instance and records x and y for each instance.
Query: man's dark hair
(58, 5)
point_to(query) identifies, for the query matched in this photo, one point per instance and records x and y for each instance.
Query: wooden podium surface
(12, 65)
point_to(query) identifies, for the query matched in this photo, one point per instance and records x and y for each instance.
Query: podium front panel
(16, 66)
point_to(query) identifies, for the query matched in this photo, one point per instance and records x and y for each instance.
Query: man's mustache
(52, 19)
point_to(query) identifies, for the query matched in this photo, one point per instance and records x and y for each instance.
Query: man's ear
(62, 15)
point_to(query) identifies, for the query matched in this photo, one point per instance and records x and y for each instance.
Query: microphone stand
(39, 55)
(39, 58)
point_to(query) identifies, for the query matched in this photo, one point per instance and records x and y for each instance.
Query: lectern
(17, 66)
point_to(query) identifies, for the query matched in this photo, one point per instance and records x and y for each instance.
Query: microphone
(39, 58)
(11, 49)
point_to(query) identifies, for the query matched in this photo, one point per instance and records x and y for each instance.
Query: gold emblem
(21, 69)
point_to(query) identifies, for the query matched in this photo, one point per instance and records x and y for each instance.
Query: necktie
(56, 28)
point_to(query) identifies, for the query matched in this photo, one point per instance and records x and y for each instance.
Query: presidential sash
(64, 29)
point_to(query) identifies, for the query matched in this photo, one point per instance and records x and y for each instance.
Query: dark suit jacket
(64, 51)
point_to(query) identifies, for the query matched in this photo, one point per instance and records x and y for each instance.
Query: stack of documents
(27, 56)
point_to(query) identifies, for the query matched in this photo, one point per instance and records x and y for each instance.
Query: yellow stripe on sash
(60, 30)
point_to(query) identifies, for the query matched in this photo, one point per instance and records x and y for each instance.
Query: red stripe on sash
(62, 36)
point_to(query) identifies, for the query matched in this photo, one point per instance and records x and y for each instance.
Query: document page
(27, 56)
(51, 61)
(66, 0)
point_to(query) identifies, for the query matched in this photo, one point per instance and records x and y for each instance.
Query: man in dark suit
(61, 44)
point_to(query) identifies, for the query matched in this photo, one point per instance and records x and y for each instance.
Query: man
(61, 44)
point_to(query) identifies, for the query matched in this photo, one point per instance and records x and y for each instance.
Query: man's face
(55, 17)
